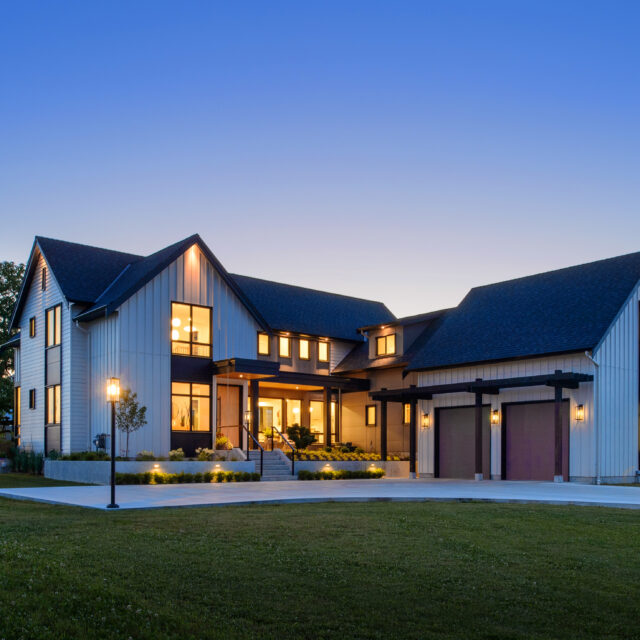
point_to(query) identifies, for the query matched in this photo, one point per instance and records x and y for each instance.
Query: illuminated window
(32, 327)
(17, 413)
(53, 327)
(386, 345)
(304, 349)
(52, 405)
(294, 407)
(316, 419)
(190, 330)
(190, 406)
(406, 413)
(323, 352)
(370, 415)
(285, 347)
(264, 344)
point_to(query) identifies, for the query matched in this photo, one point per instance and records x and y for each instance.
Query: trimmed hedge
(154, 477)
(340, 474)
(337, 455)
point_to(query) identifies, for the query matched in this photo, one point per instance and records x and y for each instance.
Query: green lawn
(376, 570)
(15, 480)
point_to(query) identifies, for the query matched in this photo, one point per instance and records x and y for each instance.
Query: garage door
(529, 441)
(456, 437)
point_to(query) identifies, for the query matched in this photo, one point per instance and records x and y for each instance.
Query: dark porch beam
(327, 417)
(478, 438)
(413, 406)
(557, 415)
(383, 430)
(315, 380)
(255, 409)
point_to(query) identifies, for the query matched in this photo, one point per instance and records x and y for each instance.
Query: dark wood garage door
(455, 442)
(529, 441)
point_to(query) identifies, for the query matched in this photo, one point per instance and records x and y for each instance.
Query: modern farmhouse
(531, 379)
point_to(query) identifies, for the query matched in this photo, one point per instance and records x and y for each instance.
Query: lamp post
(113, 395)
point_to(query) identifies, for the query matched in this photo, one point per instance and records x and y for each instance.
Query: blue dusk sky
(398, 151)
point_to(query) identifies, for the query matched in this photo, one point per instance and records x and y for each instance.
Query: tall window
(386, 345)
(190, 330)
(44, 278)
(190, 406)
(264, 344)
(32, 398)
(370, 415)
(406, 413)
(53, 326)
(17, 414)
(285, 347)
(32, 327)
(304, 349)
(323, 352)
(52, 405)
(316, 419)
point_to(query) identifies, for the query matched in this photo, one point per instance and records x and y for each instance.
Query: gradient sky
(399, 151)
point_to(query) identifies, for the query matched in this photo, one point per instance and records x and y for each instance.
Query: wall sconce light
(580, 412)
(426, 420)
(247, 417)
(113, 390)
(495, 416)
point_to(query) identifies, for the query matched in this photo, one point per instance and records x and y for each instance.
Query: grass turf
(19, 480)
(376, 570)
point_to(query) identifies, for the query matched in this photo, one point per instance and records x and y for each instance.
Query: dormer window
(190, 330)
(386, 345)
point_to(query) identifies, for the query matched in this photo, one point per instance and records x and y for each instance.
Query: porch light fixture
(495, 416)
(426, 420)
(247, 417)
(579, 412)
(113, 396)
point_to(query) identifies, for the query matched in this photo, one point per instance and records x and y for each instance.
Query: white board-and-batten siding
(616, 391)
(134, 344)
(582, 441)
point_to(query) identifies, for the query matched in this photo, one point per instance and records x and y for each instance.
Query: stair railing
(259, 445)
(293, 449)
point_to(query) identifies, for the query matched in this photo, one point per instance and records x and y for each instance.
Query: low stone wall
(393, 468)
(98, 472)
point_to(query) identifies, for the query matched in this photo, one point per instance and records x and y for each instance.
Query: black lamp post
(113, 395)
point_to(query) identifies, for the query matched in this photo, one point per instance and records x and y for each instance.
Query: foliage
(204, 454)
(301, 436)
(145, 455)
(340, 474)
(150, 477)
(11, 275)
(54, 454)
(86, 456)
(338, 454)
(5, 448)
(27, 461)
(176, 455)
(222, 442)
(130, 416)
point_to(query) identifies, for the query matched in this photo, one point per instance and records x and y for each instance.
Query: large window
(294, 408)
(304, 350)
(386, 345)
(284, 347)
(323, 352)
(52, 405)
(190, 406)
(264, 344)
(316, 419)
(190, 330)
(53, 326)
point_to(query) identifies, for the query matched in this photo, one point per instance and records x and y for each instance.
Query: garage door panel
(456, 442)
(530, 441)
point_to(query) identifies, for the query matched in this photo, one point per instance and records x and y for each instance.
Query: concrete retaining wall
(98, 472)
(393, 468)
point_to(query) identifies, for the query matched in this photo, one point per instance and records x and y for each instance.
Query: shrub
(150, 477)
(340, 474)
(301, 436)
(54, 455)
(27, 461)
(222, 442)
(145, 455)
(176, 455)
(86, 456)
(204, 454)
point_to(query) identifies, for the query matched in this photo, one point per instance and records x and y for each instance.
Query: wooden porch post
(558, 475)
(327, 417)
(413, 405)
(478, 475)
(255, 410)
(383, 429)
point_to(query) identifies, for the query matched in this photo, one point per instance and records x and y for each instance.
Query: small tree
(301, 436)
(130, 416)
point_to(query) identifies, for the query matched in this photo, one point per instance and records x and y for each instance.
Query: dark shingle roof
(83, 272)
(358, 358)
(554, 312)
(290, 308)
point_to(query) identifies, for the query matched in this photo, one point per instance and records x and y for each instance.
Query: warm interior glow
(175, 322)
(175, 334)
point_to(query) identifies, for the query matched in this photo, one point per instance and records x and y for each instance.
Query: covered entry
(528, 441)
(455, 442)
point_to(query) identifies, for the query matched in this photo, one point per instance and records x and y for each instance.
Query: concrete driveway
(192, 495)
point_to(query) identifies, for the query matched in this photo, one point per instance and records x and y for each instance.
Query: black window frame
(288, 339)
(375, 415)
(32, 327)
(32, 399)
(43, 278)
(191, 395)
(328, 351)
(46, 326)
(386, 351)
(190, 342)
(57, 408)
(300, 341)
(262, 333)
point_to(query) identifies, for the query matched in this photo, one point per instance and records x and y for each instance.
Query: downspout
(596, 422)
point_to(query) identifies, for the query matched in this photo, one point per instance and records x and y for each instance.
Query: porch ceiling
(558, 379)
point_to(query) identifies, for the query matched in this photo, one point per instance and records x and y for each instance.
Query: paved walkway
(191, 495)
